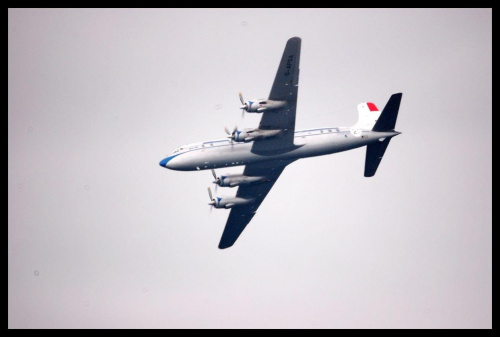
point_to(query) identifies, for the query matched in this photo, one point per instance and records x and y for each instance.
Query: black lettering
(288, 65)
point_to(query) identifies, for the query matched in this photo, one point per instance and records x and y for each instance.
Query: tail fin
(385, 123)
(368, 114)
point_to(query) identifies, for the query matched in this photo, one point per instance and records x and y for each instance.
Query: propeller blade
(216, 181)
(241, 98)
(234, 130)
(210, 193)
(227, 130)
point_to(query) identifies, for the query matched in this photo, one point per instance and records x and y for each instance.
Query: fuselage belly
(223, 153)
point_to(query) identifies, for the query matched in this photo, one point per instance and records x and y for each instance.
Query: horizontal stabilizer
(387, 119)
(374, 154)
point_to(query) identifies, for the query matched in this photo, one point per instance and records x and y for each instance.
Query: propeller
(217, 180)
(244, 106)
(231, 134)
(212, 201)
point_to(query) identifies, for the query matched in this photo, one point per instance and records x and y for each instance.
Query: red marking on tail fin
(372, 107)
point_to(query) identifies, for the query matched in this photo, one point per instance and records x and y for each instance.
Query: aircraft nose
(167, 162)
(164, 162)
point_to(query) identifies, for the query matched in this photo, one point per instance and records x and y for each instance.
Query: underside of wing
(241, 215)
(287, 75)
(285, 89)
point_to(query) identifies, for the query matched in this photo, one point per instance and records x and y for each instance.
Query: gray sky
(101, 236)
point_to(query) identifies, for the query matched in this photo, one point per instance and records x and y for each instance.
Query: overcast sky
(101, 236)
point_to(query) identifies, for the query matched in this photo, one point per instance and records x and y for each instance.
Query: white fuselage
(308, 143)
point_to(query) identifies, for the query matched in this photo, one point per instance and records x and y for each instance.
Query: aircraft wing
(241, 215)
(285, 88)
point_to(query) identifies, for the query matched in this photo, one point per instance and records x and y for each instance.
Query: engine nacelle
(229, 202)
(227, 181)
(261, 105)
(249, 135)
(234, 180)
(241, 136)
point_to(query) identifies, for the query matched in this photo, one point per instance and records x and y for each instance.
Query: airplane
(266, 151)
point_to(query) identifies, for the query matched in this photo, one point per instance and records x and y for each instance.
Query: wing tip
(224, 246)
(297, 40)
(398, 95)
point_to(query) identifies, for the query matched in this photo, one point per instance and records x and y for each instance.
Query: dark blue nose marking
(166, 160)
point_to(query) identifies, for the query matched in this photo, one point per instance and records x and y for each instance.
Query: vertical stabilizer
(368, 114)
